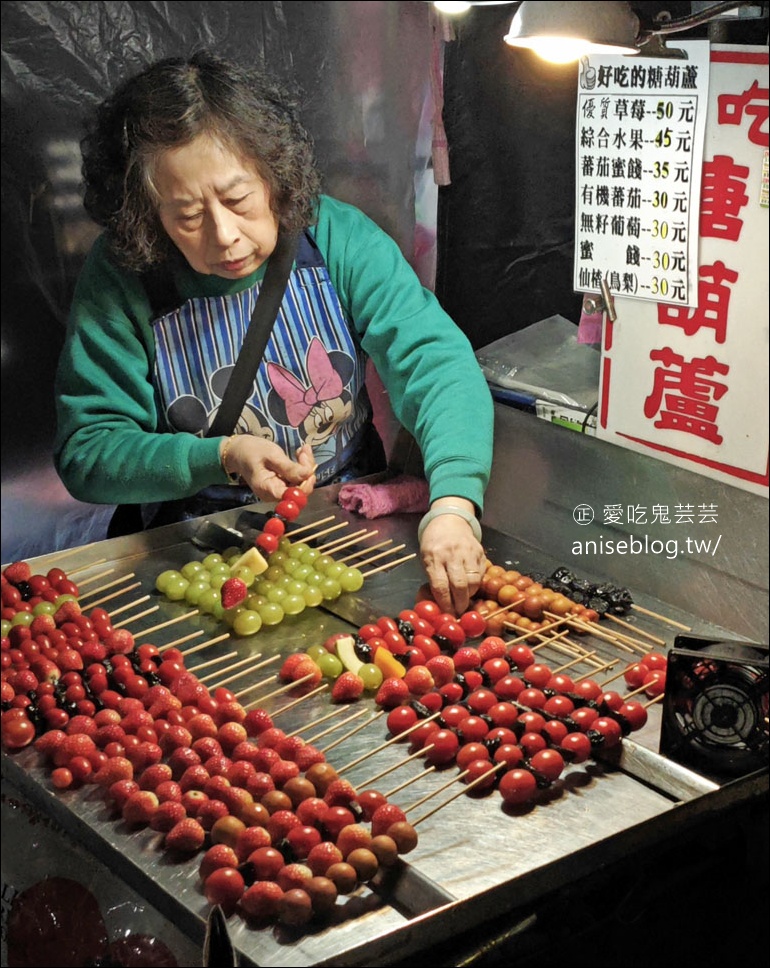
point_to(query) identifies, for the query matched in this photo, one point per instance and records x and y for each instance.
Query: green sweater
(109, 448)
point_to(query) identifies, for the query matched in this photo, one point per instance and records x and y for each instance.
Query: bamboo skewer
(390, 769)
(331, 729)
(180, 641)
(601, 668)
(406, 783)
(102, 574)
(117, 594)
(204, 645)
(541, 631)
(433, 793)
(652, 701)
(560, 643)
(211, 662)
(110, 584)
(390, 564)
(332, 547)
(469, 786)
(328, 547)
(613, 678)
(635, 692)
(323, 719)
(277, 692)
(575, 661)
(389, 742)
(93, 564)
(308, 527)
(505, 608)
(66, 552)
(365, 551)
(637, 644)
(334, 527)
(322, 688)
(134, 618)
(125, 608)
(352, 732)
(265, 682)
(236, 665)
(589, 627)
(662, 618)
(259, 665)
(382, 554)
(633, 628)
(171, 621)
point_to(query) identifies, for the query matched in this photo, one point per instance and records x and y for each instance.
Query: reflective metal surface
(474, 859)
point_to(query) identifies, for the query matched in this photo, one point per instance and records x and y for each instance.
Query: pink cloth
(590, 328)
(402, 494)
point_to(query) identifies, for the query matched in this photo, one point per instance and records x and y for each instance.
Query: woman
(192, 168)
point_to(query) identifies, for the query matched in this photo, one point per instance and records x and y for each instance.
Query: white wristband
(450, 509)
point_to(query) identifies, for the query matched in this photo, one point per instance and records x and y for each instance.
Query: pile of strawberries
(283, 835)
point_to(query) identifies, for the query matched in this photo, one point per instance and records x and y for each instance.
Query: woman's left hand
(453, 560)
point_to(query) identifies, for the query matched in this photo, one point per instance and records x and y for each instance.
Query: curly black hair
(170, 104)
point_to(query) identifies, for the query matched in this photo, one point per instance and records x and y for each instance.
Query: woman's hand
(452, 557)
(265, 468)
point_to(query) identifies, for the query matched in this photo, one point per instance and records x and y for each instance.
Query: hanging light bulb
(452, 7)
(563, 32)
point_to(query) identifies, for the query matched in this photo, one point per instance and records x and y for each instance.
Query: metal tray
(474, 859)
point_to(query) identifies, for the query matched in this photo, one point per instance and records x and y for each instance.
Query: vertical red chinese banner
(690, 385)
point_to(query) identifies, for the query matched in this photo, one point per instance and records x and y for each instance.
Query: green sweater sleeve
(108, 449)
(435, 385)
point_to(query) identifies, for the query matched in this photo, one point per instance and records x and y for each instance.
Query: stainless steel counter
(474, 859)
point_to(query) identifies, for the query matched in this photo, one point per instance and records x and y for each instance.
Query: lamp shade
(577, 28)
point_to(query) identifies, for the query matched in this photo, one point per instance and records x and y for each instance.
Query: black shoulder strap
(262, 319)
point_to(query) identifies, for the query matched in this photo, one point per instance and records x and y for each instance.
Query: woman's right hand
(265, 468)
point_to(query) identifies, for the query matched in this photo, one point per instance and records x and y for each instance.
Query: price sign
(690, 385)
(640, 130)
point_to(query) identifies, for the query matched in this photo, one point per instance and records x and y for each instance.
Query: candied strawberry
(283, 770)
(322, 856)
(467, 658)
(260, 901)
(270, 738)
(289, 667)
(210, 811)
(347, 688)
(492, 647)
(168, 814)
(280, 823)
(120, 791)
(340, 793)
(78, 744)
(185, 837)
(257, 721)
(152, 776)
(442, 668)
(289, 746)
(140, 807)
(220, 855)
(67, 612)
(116, 768)
(308, 756)
(419, 680)
(17, 571)
(384, 817)
(49, 742)
(392, 693)
(233, 592)
(120, 642)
